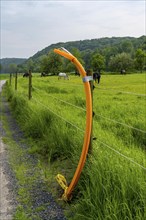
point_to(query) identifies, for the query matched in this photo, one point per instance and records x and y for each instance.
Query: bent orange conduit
(61, 179)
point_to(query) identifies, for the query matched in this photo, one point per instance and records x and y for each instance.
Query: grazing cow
(123, 72)
(44, 74)
(25, 74)
(63, 75)
(77, 73)
(96, 77)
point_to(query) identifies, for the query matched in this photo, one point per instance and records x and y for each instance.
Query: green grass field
(113, 182)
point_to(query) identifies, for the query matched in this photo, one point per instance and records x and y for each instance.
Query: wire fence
(101, 142)
(58, 115)
(97, 115)
(120, 154)
(81, 130)
(124, 92)
(106, 89)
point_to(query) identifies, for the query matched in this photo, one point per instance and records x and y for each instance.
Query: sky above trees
(30, 26)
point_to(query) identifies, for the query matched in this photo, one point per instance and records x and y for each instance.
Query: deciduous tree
(97, 62)
(12, 68)
(121, 61)
(30, 64)
(51, 63)
(140, 59)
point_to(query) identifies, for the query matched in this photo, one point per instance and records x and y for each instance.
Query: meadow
(113, 182)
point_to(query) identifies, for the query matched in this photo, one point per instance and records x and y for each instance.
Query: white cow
(63, 75)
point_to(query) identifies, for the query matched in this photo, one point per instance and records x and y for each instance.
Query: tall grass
(111, 185)
(111, 193)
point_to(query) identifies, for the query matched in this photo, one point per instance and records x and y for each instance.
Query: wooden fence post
(30, 85)
(89, 73)
(10, 79)
(16, 81)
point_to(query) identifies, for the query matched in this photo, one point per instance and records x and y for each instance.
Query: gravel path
(40, 197)
(7, 198)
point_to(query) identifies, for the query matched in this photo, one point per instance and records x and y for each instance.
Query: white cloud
(29, 26)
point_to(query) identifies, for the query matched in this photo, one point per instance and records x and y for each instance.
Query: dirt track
(6, 198)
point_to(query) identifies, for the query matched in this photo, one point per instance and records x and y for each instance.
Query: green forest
(109, 55)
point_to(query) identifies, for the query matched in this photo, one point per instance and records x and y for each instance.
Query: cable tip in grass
(63, 183)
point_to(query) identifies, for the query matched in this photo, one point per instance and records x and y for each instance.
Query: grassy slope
(110, 187)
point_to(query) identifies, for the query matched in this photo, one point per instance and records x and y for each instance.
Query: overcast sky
(30, 26)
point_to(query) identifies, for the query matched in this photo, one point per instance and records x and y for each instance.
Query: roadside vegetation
(113, 182)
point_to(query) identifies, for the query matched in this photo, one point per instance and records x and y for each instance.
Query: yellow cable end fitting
(63, 183)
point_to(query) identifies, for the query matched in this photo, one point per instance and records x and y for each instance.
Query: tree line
(111, 55)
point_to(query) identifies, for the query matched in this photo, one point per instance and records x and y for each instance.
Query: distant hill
(93, 44)
(5, 62)
(107, 46)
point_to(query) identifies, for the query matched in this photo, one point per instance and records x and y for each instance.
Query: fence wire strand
(108, 89)
(68, 103)
(117, 152)
(96, 115)
(124, 92)
(58, 115)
